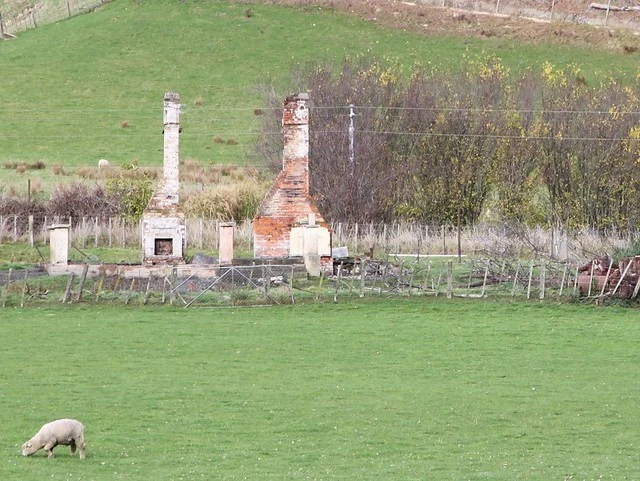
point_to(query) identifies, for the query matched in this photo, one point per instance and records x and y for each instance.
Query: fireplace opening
(163, 247)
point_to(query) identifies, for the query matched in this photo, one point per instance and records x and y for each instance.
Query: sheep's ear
(28, 445)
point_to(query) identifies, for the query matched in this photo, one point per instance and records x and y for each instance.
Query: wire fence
(15, 18)
(621, 14)
(266, 284)
(353, 239)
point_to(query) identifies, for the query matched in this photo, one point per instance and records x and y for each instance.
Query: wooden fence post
(8, 284)
(24, 287)
(363, 268)
(67, 291)
(355, 241)
(83, 278)
(31, 236)
(564, 276)
(484, 282)
(44, 230)
(593, 263)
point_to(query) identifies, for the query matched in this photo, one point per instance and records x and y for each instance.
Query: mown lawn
(377, 390)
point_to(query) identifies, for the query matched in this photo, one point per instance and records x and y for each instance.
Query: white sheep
(67, 432)
(103, 163)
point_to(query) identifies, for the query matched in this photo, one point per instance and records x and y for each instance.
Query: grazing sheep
(103, 163)
(67, 432)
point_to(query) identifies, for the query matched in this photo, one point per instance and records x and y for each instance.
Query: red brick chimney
(287, 206)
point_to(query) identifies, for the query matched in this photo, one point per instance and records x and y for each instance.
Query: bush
(22, 208)
(133, 195)
(82, 200)
(239, 202)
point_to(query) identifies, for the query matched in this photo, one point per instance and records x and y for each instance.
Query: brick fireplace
(163, 224)
(288, 223)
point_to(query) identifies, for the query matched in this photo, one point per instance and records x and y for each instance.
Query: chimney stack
(171, 170)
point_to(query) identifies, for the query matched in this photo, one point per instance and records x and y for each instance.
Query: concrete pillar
(171, 147)
(59, 243)
(225, 251)
(311, 257)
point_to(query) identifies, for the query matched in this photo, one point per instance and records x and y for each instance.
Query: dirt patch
(570, 23)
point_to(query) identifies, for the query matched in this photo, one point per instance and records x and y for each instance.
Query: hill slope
(92, 87)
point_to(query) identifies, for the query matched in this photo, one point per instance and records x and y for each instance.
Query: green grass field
(379, 390)
(92, 87)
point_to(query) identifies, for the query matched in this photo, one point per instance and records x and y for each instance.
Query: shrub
(133, 195)
(86, 172)
(80, 199)
(37, 165)
(21, 207)
(239, 202)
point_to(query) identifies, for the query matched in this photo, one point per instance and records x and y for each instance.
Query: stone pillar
(171, 172)
(225, 252)
(59, 243)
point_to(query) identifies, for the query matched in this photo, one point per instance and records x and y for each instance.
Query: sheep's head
(28, 449)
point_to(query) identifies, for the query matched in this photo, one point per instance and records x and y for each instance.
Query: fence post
(543, 279)
(67, 291)
(31, 239)
(25, 287)
(8, 284)
(515, 280)
(83, 278)
(1, 28)
(68, 9)
(355, 241)
(530, 278)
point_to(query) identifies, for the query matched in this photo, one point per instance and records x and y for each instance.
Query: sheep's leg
(82, 448)
(72, 445)
(49, 449)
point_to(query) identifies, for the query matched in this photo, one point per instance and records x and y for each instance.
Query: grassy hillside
(92, 87)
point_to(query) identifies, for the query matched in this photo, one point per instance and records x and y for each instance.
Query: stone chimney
(163, 224)
(286, 209)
